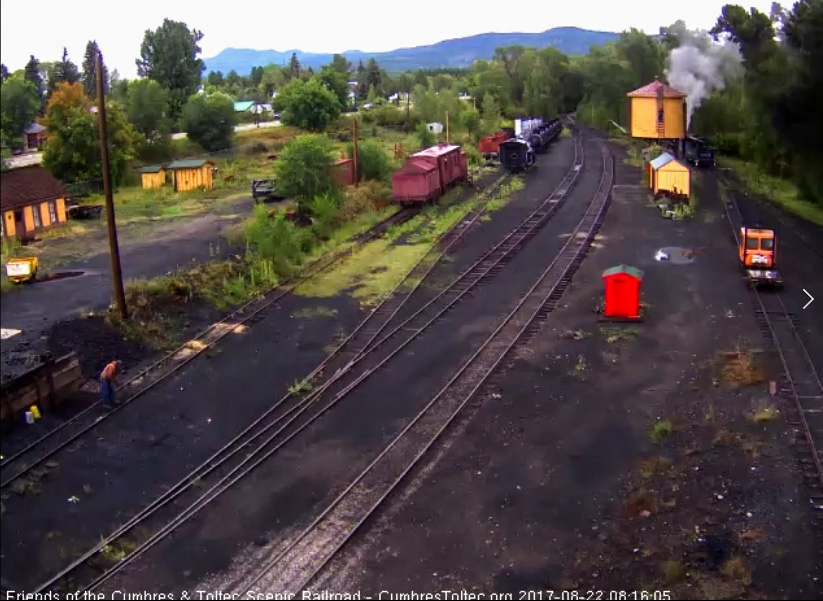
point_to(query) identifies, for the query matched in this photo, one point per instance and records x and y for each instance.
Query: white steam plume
(700, 66)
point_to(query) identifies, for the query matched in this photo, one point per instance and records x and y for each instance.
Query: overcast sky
(313, 25)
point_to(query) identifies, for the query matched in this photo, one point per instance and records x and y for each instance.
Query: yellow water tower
(657, 112)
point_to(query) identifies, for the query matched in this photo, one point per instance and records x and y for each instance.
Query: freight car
(489, 146)
(427, 174)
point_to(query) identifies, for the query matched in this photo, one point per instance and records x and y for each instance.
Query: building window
(35, 214)
(52, 212)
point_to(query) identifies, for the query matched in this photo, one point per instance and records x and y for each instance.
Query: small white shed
(435, 128)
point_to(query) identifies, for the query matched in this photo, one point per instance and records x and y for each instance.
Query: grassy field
(779, 191)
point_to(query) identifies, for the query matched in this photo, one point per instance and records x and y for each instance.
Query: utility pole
(354, 153)
(114, 249)
(447, 127)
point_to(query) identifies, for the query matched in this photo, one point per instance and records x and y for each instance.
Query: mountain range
(460, 52)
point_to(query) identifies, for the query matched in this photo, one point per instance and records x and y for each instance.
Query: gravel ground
(552, 481)
(288, 488)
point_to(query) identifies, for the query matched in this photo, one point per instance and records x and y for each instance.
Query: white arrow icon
(811, 298)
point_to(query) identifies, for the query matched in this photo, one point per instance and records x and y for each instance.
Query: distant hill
(460, 52)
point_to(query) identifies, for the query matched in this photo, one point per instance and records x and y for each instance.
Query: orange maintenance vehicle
(758, 256)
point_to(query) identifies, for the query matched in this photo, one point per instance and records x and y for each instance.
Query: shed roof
(240, 107)
(26, 185)
(650, 91)
(665, 159)
(661, 160)
(436, 151)
(152, 169)
(627, 269)
(188, 164)
(34, 128)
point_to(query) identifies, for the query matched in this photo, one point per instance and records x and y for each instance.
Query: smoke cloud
(699, 67)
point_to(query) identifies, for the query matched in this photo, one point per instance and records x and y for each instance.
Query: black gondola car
(516, 154)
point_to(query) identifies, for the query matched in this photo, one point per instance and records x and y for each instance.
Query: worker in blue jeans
(108, 381)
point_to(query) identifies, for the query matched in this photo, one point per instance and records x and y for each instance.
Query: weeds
(310, 312)
(740, 369)
(641, 503)
(577, 334)
(118, 550)
(673, 571)
(656, 466)
(736, 569)
(764, 412)
(297, 387)
(580, 367)
(660, 431)
(617, 334)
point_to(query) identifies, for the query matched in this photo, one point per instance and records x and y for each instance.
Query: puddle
(675, 254)
(59, 275)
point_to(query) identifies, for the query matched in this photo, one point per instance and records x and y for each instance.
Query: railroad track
(351, 351)
(800, 381)
(292, 569)
(144, 381)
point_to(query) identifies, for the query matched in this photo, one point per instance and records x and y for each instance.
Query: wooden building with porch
(31, 200)
(191, 174)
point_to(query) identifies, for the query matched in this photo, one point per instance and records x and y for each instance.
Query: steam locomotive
(532, 136)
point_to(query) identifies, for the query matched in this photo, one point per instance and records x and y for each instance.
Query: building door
(19, 225)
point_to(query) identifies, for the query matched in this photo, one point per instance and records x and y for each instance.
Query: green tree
(424, 136)
(19, 104)
(304, 169)
(472, 123)
(372, 161)
(90, 71)
(147, 109)
(65, 71)
(170, 56)
(72, 151)
(308, 105)
(491, 114)
(293, 70)
(209, 120)
(33, 75)
(340, 64)
(335, 82)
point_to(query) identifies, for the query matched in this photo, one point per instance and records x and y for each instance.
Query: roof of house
(650, 91)
(664, 159)
(627, 269)
(26, 185)
(34, 128)
(240, 107)
(188, 164)
(436, 151)
(152, 169)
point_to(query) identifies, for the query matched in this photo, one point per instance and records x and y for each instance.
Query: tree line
(764, 111)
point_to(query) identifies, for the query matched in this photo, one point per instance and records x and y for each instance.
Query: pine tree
(293, 70)
(90, 71)
(32, 74)
(65, 71)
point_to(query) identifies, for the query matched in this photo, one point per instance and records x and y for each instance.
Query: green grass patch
(781, 192)
(565, 133)
(504, 195)
(660, 431)
(319, 311)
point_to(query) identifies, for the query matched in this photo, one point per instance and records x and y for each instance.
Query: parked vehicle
(516, 154)
(22, 270)
(489, 146)
(428, 174)
(263, 190)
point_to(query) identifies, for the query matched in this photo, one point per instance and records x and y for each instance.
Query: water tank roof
(650, 90)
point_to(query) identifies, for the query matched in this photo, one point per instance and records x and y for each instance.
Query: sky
(314, 25)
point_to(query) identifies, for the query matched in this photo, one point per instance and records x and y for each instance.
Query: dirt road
(34, 309)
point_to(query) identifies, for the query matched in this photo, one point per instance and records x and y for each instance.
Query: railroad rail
(800, 379)
(245, 315)
(361, 340)
(292, 569)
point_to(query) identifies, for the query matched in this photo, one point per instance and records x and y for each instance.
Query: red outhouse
(622, 292)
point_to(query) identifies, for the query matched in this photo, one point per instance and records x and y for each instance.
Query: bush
(210, 120)
(325, 209)
(304, 169)
(274, 238)
(372, 161)
(424, 136)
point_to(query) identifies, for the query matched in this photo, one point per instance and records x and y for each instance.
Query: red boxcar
(489, 146)
(432, 170)
(343, 172)
(416, 181)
